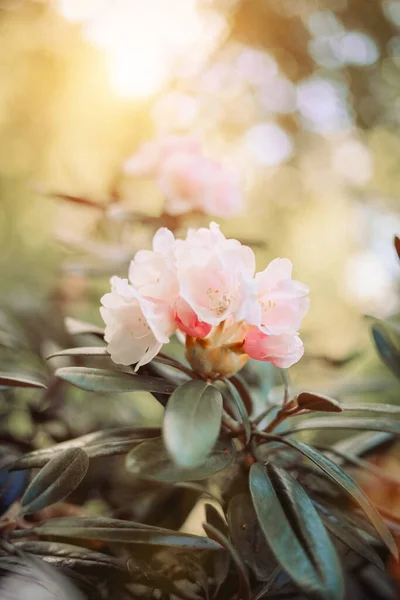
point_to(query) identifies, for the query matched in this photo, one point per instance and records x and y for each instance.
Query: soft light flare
(146, 42)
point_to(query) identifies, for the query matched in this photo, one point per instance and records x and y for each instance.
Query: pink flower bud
(188, 322)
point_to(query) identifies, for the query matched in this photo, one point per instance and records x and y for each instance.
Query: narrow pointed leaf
(104, 381)
(390, 409)
(20, 380)
(248, 537)
(218, 536)
(361, 423)
(363, 443)
(119, 531)
(215, 519)
(241, 408)
(82, 351)
(99, 443)
(318, 402)
(75, 557)
(56, 480)
(151, 460)
(353, 541)
(192, 421)
(345, 482)
(389, 354)
(294, 532)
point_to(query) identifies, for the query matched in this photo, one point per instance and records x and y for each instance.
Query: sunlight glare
(145, 43)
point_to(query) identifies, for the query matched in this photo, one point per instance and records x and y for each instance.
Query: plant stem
(244, 392)
(171, 362)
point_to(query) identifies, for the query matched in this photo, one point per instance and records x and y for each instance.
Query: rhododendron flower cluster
(206, 287)
(189, 180)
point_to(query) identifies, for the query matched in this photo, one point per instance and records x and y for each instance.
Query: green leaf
(347, 484)
(352, 540)
(151, 460)
(312, 401)
(73, 557)
(10, 380)
(248, 537)
(192, 421)
(104, 381)
(76, 327)
(363, 443)
(82, 351)
(386, 349)
(214, 518)
(100, 443)
(294, 532)
(56, 480)
(116, 530)
(390, 409)
(218, 536)
(362, 423)
(241, 408)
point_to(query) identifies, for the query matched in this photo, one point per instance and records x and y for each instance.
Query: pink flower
(136, 327)
(205, 286)
(189, 180)
(279, 303)
(214, 274)
(153, 272)
(150, 157)
(283, 351)
(193, 182)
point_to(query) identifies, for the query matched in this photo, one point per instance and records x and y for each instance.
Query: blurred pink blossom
(150, 157)
(189, 180)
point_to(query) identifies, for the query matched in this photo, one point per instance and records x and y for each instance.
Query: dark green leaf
(192, 421)
(76, 327)
(367, 423)
(99, 443)
(352, 540)
(83, 351)
(214, 518)
(218, 536)
(248, 537)
(318, 402)
(150, 460)
(344, 481)
(386, 349)
(71, 556)
(103, 381)
(295, 533)
(56, 480)
(20, 380)
(241, 408)
(115, 530)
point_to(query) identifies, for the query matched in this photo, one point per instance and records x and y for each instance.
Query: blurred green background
(299, 97)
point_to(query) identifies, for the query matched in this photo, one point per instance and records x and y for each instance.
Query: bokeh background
(298, 97)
